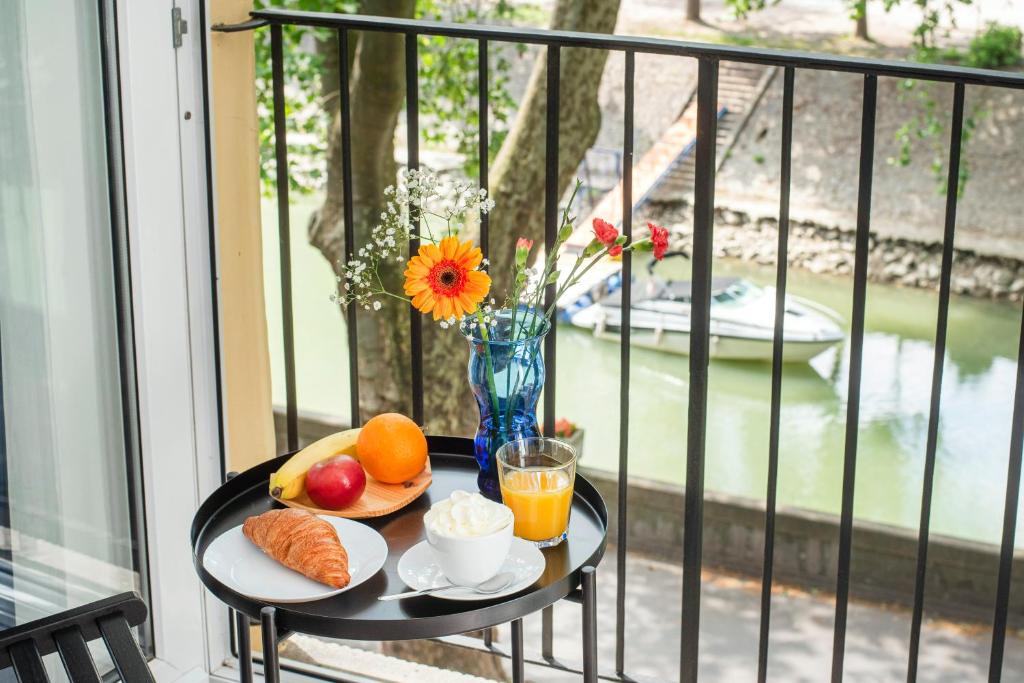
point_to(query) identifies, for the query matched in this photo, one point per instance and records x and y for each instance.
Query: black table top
(357, 614)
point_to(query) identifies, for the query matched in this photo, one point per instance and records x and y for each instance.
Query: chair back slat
(27, 663)
(124, 650)
(74, 653)
(68, 633)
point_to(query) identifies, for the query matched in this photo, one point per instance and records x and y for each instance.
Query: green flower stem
(490, 363)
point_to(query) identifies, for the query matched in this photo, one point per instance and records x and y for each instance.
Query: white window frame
(172, 294)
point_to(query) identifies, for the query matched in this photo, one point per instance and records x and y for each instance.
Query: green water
(974, 430)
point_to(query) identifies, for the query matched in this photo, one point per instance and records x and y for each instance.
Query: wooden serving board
(378, 499)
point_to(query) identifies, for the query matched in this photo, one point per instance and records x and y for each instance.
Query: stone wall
(828, 249)
(961, 578)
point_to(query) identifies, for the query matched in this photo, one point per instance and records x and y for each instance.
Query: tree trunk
(861, 30)
(693, 10)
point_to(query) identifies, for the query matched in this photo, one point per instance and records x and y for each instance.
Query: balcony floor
(801, 636)
(800, 648)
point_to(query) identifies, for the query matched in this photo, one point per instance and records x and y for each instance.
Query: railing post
(781, 269)
(700, 323)
(551, 196)
(350, 238)
(860, 276)
(484, 143)
(284, 233)
(1006, 550)
(938, 360)
(412, 125)
(622, 521)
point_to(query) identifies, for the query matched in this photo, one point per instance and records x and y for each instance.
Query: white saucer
(418, 570)
(240, 565)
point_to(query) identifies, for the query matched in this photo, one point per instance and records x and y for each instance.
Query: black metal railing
(708, 57)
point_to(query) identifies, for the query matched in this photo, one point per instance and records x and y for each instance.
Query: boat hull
(722, 348)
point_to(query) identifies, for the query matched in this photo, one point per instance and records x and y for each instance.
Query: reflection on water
(974, 430)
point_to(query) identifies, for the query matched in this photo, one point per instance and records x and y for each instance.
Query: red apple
(336, 482)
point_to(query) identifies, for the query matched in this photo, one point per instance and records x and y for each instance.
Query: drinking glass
(536, 476)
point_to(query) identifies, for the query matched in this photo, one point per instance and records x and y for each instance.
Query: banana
(289, 481)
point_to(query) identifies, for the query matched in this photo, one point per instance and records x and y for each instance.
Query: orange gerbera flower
(442, 279)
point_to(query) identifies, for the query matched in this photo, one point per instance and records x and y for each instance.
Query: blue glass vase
(506, 374)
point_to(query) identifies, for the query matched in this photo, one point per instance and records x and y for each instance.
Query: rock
(964, 284)
(1017, 286)
(733, 217)
(893, 254)
(1002, 277)
(897, 270)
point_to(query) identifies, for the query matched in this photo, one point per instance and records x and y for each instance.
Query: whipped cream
(465, 515)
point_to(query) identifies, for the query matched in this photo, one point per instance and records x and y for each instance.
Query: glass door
(71, 523)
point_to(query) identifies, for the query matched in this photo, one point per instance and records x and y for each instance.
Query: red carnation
(523, 243)
(615, 251)
(605, 232)
(659, 239)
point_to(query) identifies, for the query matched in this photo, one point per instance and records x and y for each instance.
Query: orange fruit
(392, 448)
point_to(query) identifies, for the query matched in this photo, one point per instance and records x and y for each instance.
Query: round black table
(358, 615)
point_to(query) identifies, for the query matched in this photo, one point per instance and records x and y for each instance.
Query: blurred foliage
(927, 128)
(447, 80)
(997, 48)
(305, 116)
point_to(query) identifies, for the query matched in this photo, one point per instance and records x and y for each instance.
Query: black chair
(23, 647)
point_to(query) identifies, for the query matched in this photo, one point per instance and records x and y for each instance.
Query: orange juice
(540, 500)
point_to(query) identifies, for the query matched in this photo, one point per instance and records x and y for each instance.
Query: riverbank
(830, 250)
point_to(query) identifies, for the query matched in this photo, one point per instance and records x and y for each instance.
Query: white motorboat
(742, 320)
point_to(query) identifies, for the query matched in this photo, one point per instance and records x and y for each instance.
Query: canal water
(974, 430)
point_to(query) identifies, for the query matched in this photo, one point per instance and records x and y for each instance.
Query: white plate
(418, 570)
(240, 565)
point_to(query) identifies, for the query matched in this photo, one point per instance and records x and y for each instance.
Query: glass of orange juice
(536, 476)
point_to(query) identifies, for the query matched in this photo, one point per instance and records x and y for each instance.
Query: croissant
(301, 541)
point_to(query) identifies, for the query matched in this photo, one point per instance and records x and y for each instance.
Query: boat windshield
(736, 293)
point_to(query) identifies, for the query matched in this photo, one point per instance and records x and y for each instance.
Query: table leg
(244, 647)
(518, 666)
(547, 637)
(589, 625)
(271, 667)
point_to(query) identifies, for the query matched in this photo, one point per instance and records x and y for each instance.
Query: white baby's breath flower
(376, 305)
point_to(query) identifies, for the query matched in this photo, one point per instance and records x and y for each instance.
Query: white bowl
(471, 560)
